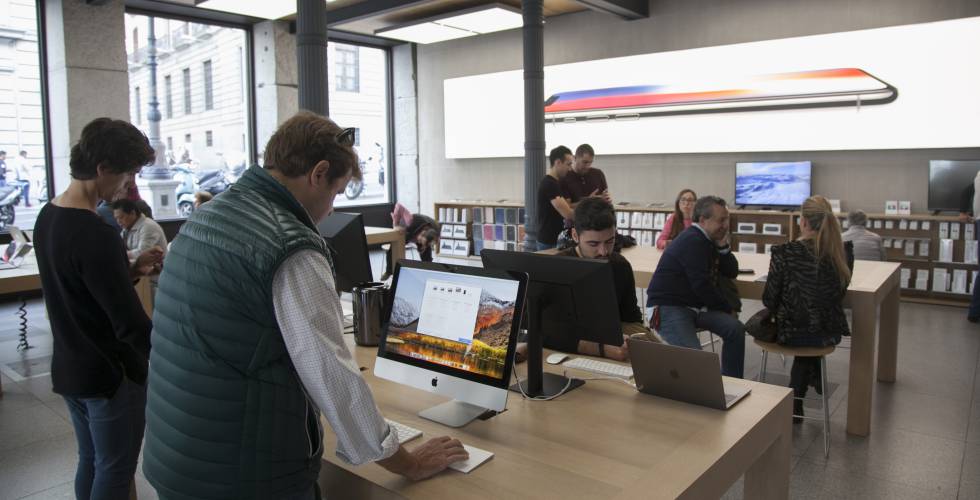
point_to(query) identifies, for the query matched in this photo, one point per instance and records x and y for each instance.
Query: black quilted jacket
(805, 297)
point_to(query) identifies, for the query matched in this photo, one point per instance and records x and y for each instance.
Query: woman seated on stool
(680, 219)
(805, 290)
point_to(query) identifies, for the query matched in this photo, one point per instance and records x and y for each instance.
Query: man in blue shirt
(684, 288)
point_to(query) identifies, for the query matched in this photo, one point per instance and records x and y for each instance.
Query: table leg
(768, 477)
(398, 248)
(888, 337)
(862, 367)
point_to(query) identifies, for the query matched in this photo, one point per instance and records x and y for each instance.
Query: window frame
(390, 129)
(220, 20)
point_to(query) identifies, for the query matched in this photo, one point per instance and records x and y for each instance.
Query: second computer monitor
(344, 234)
(575, 297)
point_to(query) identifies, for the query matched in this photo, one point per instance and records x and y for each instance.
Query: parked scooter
(9, 198)
(212, 181)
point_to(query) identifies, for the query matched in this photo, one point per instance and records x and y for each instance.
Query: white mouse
(556, 358)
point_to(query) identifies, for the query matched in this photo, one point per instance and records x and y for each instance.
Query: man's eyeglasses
(346, 137)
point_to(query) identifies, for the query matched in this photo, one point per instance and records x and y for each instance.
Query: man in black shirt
(553, 208)
(584, 180)
(101, 334)
(594, 233)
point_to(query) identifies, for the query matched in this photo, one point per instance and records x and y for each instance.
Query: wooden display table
(872, 284)
(381, 235)
(603, 440)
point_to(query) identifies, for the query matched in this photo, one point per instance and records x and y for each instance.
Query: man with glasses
(685, 291)
(248, 348)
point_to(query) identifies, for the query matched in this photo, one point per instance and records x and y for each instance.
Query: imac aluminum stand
(453, 413)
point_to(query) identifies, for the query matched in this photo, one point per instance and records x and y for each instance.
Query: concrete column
(276, 96)
(405, 120)
(87, 74)
(534, 144)
(311, 55)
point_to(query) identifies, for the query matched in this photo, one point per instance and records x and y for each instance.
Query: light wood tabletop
(603, 440)
(21, 279)
(873, 284)
(381, 235)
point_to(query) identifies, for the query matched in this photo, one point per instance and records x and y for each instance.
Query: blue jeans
(679, 326)
(974, 311)
(109, 432)
(25, 188)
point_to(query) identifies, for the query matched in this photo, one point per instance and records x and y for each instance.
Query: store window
(360, 74)
(209, 61)
(23, 166)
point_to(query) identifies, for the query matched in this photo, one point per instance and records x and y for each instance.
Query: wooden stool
(811, 352)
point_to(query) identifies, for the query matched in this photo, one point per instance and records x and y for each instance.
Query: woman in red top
(683, 210)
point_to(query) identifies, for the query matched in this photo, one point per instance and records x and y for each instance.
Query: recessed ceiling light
(265, 9)
(485, 21)
(476, 21)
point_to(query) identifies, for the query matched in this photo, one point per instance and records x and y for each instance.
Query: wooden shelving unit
(890, 227)
(505, 218)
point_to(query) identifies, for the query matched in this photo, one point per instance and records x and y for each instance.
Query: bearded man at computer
(594, 232)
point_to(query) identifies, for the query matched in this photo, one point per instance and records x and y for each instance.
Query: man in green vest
(247, 340)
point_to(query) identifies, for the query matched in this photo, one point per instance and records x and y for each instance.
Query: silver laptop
(688, 375)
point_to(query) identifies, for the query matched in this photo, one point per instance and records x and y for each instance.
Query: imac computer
(452, 331)
(567, 297)
(344, 234)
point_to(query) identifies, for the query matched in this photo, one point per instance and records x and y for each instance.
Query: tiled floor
(925, 441)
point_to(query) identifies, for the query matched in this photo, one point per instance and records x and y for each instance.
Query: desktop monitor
(948, 181)
(452, 330)
(344, 234)
(567, 297)
(775, 184)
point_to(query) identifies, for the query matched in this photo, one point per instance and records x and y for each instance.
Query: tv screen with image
(780, 184)
(948, 182)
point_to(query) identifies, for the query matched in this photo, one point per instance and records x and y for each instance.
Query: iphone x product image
(801, 89)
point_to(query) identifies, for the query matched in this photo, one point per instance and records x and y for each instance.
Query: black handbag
(762, 326)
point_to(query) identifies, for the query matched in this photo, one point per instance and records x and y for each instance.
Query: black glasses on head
(346, 137)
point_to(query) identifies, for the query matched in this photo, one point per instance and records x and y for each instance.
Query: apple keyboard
(405, 433)
(600, 367)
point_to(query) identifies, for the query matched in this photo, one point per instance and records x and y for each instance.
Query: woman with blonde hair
(680, 219)
(805, 291)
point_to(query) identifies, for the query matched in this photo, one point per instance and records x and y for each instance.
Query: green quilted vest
(226, 415)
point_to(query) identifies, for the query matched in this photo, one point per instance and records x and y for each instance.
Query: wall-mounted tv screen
(948, 179)
(772, 183)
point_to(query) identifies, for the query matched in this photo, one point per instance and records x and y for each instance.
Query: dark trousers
(109, 432)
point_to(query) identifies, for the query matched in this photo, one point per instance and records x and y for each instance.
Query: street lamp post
(159, 169)
(156, 182)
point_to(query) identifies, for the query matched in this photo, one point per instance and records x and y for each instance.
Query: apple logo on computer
(435, 382)
(674, 375)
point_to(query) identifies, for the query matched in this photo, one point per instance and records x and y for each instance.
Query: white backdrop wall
(934, 67)
(862, 178)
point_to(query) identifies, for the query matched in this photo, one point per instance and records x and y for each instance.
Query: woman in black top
(101, 334)
(805, 290)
